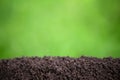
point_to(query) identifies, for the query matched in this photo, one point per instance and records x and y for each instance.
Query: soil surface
(60, 68)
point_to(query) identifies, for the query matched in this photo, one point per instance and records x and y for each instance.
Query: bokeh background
(59, 28)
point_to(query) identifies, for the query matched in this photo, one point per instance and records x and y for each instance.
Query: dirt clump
(60, 68)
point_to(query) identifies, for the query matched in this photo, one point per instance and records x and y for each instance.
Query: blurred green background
(59, 28)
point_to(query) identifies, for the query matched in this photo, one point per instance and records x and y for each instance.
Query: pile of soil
(60, 68)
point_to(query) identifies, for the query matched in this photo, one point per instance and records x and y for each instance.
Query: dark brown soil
(60, 68)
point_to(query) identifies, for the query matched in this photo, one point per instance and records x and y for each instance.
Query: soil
(60, 68)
